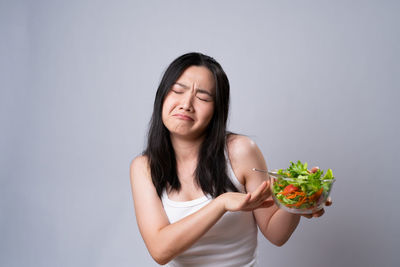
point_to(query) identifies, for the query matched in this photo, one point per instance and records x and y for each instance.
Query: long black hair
(211, 172)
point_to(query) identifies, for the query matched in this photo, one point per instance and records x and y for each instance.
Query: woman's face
(189, 105)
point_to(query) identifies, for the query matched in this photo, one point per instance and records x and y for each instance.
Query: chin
(187, 135)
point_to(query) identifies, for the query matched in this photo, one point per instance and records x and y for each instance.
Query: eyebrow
(199, 90)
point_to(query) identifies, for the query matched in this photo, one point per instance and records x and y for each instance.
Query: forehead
(201, 76)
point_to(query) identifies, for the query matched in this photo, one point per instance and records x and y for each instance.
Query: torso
(226, 243)
(190, 190)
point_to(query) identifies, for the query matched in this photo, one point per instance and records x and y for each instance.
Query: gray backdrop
(316, 81)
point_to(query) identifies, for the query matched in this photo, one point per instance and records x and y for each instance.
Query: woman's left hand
(327, 203)
(320, 212)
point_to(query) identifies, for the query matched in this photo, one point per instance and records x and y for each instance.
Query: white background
(316, 81)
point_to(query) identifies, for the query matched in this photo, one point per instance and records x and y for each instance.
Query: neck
(186, 149)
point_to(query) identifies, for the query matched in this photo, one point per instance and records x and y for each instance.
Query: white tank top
(232, 241)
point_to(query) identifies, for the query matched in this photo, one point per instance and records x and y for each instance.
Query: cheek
(164, 111)
(163, 115)
(167, 106)
(208, 113)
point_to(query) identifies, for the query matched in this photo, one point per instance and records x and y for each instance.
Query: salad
(298, 188)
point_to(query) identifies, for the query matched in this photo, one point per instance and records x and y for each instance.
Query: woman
(197, 200)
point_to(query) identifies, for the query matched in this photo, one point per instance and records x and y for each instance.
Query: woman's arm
(275, 224)
(164, 240)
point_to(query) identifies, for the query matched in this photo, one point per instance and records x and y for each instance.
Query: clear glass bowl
(300, 203)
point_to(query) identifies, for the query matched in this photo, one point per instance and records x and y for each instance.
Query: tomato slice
(289, 189)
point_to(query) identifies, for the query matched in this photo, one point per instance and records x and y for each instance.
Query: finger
(260, 188)
(264, 193)
(318, 213)
(267, 186)
(259, 201)
(260, 198)
(258, 191)
(308, 216)
(267, 204)
(328, 202)
(247, 199)
(258, 205)
(263, 186)
(244, 202)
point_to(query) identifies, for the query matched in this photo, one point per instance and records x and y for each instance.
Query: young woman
(197, 200)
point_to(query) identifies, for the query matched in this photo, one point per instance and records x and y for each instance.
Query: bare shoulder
(143, 189)
(244, 155)
(240, 147)
(139, 167)
(140, 162)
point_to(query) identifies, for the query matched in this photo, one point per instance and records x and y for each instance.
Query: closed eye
(204, 95)
(204, 99)
(177, 91)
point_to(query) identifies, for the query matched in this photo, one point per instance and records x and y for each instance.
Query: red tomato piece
(290, 189)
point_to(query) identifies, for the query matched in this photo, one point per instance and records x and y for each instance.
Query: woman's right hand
(234, 201)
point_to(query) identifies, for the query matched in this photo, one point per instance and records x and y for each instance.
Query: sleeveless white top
(232, 241)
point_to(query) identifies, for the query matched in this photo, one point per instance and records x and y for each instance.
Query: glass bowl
(297, 196)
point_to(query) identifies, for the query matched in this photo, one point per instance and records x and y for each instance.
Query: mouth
(183, 117)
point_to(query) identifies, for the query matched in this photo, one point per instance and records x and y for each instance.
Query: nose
(187, 102)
